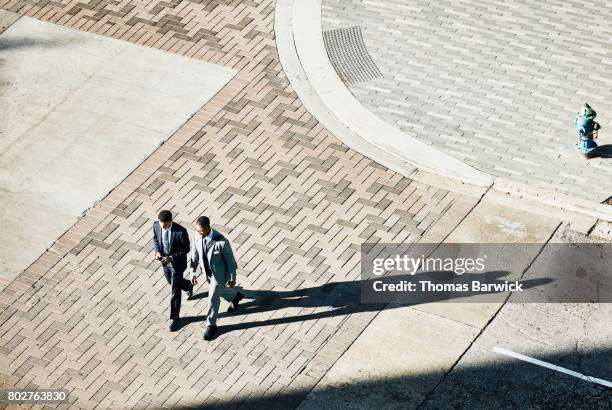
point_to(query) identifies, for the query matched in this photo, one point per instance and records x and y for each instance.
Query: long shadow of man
(603, 151)
(345, 298)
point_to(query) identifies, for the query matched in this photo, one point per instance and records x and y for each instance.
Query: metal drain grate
(349, 56)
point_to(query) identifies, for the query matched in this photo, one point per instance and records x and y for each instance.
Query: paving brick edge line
(97, 213)
(308, 44)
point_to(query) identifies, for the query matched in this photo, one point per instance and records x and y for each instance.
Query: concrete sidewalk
(80, 113)
(439, 355)
(406, 351)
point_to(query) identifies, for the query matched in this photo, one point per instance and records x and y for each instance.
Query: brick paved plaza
(90, 314)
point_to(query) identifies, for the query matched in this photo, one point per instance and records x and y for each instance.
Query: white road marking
(551, 366)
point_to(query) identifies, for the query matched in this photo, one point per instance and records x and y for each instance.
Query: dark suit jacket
(179, 245)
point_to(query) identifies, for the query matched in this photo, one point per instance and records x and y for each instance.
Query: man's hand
(194, 280)
(158, 256)
(166, 259)
(231, 283)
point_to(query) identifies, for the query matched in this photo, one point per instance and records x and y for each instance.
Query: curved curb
(303, 55)
(301, 84)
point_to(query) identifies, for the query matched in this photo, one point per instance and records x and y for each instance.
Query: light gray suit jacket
(220, 257)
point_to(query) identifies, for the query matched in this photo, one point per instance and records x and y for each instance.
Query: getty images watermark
(423, 273)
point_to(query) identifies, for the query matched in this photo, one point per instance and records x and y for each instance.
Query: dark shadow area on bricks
(603, 151)
(504, 383)
(344, 298)
(201, 295)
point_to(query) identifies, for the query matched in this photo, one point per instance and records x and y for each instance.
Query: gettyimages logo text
(412, 265)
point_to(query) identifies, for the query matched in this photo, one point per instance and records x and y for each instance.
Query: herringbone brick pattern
(90, 314)
(495, 84)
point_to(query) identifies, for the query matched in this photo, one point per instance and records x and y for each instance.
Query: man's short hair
(203, 221)
(165, 216)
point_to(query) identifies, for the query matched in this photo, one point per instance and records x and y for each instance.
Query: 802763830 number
(38, 396)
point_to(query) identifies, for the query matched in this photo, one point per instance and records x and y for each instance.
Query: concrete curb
(555, 199)
(302, 53)
(301, 84)
(329, 95)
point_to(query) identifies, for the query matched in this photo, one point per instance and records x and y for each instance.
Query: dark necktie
(166, 242)
(205, 257)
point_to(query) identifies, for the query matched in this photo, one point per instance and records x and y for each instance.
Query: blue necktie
(166, 242)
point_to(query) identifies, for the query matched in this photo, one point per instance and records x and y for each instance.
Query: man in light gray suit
(212, 253)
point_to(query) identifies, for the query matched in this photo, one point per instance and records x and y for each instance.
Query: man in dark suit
(171, 248)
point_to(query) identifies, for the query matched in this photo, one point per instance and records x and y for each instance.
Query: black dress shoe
(210, 332)
(175, 325)
(234, 304)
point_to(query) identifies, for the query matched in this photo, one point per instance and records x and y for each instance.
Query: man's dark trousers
(173, 271)
(178, 284)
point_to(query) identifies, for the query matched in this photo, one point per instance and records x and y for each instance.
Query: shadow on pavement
(603, 151)
(501, 383)
(202, 295)
(7, 44)
(343, 297)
